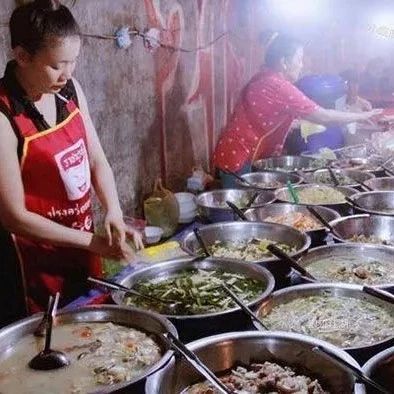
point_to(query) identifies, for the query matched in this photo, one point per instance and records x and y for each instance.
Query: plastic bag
(161, 209)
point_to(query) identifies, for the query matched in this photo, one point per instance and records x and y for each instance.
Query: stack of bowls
(187, 207)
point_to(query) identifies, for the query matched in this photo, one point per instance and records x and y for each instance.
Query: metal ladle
(49, 359)
(172, 306)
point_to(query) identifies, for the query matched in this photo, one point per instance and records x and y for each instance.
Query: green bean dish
(199, 291)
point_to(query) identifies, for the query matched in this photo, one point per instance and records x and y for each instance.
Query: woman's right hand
(118, 251)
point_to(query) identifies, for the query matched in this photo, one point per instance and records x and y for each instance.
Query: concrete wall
(160, 113)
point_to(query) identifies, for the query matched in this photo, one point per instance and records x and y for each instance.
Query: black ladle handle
(252, 200)
(369, 188)
(390, 172)
(351, 202)
(239, 177)
(333, 176)
(237, 211)
(383, 295)
(197, 364)
(201, 242)
(320, 218)
(289, 260)
(49, 324)
(244, 307)
(354, 370)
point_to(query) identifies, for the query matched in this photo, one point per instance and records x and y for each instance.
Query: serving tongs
(195, 362)
(351, 368)
(322, 220)
(333, 176)
(244, 307)
(171, 305)
(379, 293)
(284, 257)
(237, 211)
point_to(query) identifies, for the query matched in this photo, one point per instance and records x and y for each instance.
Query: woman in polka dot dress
(268, 105)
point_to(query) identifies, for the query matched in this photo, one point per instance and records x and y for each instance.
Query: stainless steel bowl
(350, 252)
(344, 208)
(336, 290)
(244, 231)
(353, 151)
(383, 184)
(381, 369)
(369, 225)
(288, 164)
(375, 203)
(371, 164)
(223, 352)
(148, 322)
(354, 175)
(256, 178)
(317, 236)
(212, 204)
(192, 326)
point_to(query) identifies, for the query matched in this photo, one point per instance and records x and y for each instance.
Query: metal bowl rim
(322, 286)
(183, 264)
(351, 185)
(228, 209)
(316, 185)
(374, 361)
(305, 247)
(324, 208)
(350, 245)
(165, 357)
(297, 179)
(310, 159)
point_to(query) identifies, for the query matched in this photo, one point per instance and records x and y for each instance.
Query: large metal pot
(381, 369)
(148, 322)
(283, 296)
(196, 326)
(382, 184)
(266, 177)
(244, 231)
(223, 352)
(351, 252)
(212, 204)
(323, 177)
(375, 203)
(381, 227)
(317, 236)
(288, 164)
(344, 208)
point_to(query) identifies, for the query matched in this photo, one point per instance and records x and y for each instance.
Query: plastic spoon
(290, 261)
(354, 370)
(49, 359)
(195, 362)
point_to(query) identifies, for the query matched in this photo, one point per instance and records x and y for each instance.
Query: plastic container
(153, 234)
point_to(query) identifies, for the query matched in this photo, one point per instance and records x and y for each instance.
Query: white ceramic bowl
(153, 234)
(186, 202)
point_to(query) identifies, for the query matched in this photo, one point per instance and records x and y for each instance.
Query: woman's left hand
(115, 228)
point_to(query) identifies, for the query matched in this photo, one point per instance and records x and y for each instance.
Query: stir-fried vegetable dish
(100, 354)
(267, 377)
(199, 291)
(325, 178)
(343, 321)
(250, 250)
(319, 196)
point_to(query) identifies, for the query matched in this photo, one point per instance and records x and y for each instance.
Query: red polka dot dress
(261, 119)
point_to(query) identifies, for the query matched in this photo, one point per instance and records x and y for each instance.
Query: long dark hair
(282, 46)
(34, 24)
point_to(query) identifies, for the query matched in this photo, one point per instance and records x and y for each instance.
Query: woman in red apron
(266, 109)
(50, 156)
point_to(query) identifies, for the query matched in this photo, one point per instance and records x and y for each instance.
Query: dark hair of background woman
(33, 25)
(282, 46)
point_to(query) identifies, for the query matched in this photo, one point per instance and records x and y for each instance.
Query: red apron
(56, 178)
